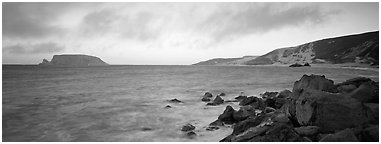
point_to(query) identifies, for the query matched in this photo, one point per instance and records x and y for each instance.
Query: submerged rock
(218, 100)
(346, 135)
(188, 127)
(191, 134)
(175, 100)
(168, 106)
(208, 94)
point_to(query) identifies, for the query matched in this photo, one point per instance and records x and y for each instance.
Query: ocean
(127, 102)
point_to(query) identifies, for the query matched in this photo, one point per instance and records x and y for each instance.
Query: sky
(172, 33)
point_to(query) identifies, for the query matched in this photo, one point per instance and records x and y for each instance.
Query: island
(73, 60)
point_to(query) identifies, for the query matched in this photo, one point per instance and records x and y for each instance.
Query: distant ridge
(68, 60)
(358, 48)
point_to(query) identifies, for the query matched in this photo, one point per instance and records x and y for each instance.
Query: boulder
(330, 111)
(345, 135)
(249, 100)
(188, 127)
(269, 94)
(247, 123)
(217, 123)
(356, 81)
(284, 94)
(218, 100)
(370, 134)
(175, 101)
(346, 88)
(366, 92)
(208, 94)
(312, 82)
(278, 132)
(243, 113)
(307, 130)
(205, 99)
(227, 115)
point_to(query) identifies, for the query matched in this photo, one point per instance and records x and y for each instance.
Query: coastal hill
(359, 48)
(227, 61)
(67, 60)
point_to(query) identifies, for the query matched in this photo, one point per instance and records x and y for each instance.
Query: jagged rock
(191, 134)
(249, 100)
(269, 109)
(217, 123)
(330, 111)
(243, 113)
(366, 92)
(284, 94)
(346, 88)
(247, 123)
(312, 82)
(188, 127)
(240, 97)
(279, 132)
(175, 101)
(345, 135)
(218, 100)
(227, 115)
(212, 128)
(370, 134)
(208, 94)
(307, 130)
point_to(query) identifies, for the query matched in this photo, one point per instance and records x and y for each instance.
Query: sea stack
(68, 60)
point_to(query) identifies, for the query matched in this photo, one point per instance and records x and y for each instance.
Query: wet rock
(279, 102)
(240, 97)
(175, 100)
(205, 99)
(217, 123)
(366, 92)
(248, 101)
(269, 94)
(218, 100)
(250, 133)
(346, 88)
(212, 128)
(330, 111)
(247, 123)
(208, 94)
(296, 65)
(231, 100)
(191, 134)
(269, 109)
(346, 135)
(356, 81)
(222, 94)
(279, 132)
(188, 127)
(168, 106)
(243, 113)
(284, 94)
(307, 130)
(307, 65)
(371, 134)
(315, 82)
(227, 115)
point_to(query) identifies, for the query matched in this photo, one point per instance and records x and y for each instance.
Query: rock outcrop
(315, 110)
(73, 61)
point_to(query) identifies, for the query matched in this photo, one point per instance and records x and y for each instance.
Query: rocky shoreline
(316, 110)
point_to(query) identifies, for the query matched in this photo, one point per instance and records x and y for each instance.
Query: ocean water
(126, 103)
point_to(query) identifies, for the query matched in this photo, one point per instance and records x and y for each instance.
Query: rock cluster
(315, 110)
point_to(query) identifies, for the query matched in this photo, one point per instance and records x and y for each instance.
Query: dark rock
(346, 88)
(68, 60)
(205, 99)
(240, 97)
(312, 82)
(296, 65)
(243, 113)
(346, 135)
(279, 132)
(269, 94)
(217, 123)
(366, 92)
(248, 100)
(188, 127)
(279, 102)
(247, 123)
(250, 133)
(208, 94)
(218, 100)
(269, 109)
(307, 130)
(356, 81)
(372, 110)
(222, 94)
(191, 134)
(212, 128)
(270, 102)
(307, 65)
(284, 94)
(330, 111)
(175, 101)
(146, 129)
(371, 134)
(231, 100)
(168, 106)
(227, 115)
(306, 139)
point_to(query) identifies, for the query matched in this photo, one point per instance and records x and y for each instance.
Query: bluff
(73, 61)
(358, 48)
(227, 61)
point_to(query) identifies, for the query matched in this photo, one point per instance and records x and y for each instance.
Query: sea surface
(127, 103)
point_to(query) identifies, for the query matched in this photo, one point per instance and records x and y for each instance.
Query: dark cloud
(227, 22)
(40, 48)
(31, 20)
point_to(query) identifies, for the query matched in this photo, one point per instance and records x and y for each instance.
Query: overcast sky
(172, 33)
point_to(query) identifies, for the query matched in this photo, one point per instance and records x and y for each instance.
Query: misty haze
(190, 72)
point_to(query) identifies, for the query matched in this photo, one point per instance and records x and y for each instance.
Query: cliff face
(73, 61)
(361, 48)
